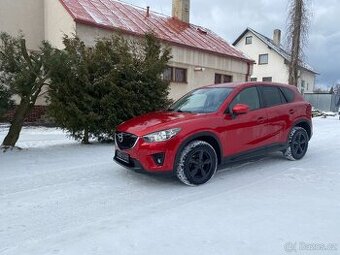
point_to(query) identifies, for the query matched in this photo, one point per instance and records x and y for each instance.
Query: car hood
(155, 121)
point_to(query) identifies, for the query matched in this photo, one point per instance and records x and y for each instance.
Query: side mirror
(240, 109)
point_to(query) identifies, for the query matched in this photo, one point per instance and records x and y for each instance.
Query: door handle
(291, 111)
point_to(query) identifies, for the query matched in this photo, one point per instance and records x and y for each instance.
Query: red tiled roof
(115, 15)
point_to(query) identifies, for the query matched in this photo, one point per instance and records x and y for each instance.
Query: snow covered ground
(61, 197)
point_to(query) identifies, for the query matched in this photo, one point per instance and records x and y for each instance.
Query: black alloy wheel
(197, 163)
(199, 166)
(298, 144)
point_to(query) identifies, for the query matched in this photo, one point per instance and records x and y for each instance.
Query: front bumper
(141, 156)
(132, 165)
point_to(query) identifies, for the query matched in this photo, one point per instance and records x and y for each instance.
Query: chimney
(181, 10)
(277, 37)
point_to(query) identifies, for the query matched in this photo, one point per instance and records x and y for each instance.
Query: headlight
(161, 136)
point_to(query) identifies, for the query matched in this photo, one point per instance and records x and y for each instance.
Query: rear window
(288, 93)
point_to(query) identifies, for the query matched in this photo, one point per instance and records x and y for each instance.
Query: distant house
(272, 60)
(200, 56)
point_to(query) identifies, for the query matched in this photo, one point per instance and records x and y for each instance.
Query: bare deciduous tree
(298, 28)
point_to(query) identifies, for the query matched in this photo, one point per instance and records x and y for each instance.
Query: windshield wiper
(181, 111)
(184, 111)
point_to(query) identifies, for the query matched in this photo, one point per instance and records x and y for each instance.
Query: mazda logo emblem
(120, 137)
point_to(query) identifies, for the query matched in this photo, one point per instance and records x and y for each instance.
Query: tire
(197, 163)
(298, 144)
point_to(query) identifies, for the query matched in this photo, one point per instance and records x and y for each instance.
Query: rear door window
(288, 93)
(272, 96)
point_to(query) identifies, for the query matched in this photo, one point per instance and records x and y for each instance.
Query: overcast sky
(229, 18)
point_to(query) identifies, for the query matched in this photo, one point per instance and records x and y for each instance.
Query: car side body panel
(244, 132)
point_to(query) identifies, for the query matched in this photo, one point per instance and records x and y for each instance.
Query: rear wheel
(298, 144)
(197, 163)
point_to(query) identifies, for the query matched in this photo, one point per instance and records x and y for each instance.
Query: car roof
(246, 84)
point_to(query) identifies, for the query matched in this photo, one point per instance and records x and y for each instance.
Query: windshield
(205, 100)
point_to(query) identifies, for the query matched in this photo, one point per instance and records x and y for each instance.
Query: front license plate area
(123, 156)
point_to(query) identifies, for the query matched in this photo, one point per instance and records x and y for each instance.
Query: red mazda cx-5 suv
(214, 125)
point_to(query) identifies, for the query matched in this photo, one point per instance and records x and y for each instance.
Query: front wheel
(197, 163)
(298, 144)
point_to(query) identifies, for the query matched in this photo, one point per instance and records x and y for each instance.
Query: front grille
(125, 141)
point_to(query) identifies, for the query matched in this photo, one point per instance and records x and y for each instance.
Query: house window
(249, 40)
(263, 59)
(168, 73)
(268, 79)
(180, 75)
(253, 79)
(222, 78)
(175, 74)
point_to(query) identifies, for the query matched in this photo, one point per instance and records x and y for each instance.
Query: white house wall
(184, 58)
(276, 68)
(58, 22)
(26, 16)
(309, 79)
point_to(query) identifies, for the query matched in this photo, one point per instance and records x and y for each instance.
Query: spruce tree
(95, 89)
(133, 83)
(72, 89)
(154, 62)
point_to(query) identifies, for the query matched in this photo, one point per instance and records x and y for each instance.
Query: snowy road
(60, 197)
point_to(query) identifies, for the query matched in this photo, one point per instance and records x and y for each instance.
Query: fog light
(158, 158)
